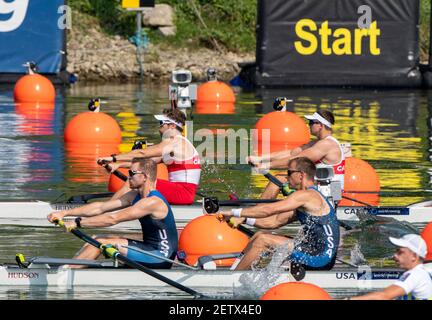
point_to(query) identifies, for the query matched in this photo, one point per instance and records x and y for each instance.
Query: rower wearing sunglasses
(325, 152)
(142, 202)
(176, 152)
(316, 246)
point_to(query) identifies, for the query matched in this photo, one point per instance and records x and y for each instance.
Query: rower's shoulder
(157, 204)
(326, 142)
(305, 194)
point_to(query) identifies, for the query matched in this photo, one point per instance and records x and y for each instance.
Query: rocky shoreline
(94, 56)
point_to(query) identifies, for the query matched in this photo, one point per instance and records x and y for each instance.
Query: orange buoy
(215, 91)
(162, 171)
(37, 117)
(426, 234)
(205, 107)
(93, 127)
(280, 130)
(360, 176)
(81, 161)
(34, 88)
(296, 291)
(115, 183)
(207, 235)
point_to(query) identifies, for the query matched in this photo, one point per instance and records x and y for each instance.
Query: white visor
(413, 242)
(164, 118)
(318, 117)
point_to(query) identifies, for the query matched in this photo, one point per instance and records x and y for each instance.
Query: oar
(138, 144)
(117, 173)
(283, 187)
(280, 184)
(212, 204)
(114, 254)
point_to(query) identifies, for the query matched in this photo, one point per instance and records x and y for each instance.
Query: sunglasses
(162, 123)
(290, 172)
(312, 122)
(134, 172)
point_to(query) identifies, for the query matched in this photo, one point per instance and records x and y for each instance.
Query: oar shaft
(246, 231)
(117, 173)
(115, 254)
(156, 275)
(358, 201)
(120, 175)
(245, 201)
(273, 179)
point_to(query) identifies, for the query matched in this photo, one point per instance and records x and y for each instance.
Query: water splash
(356, 256)
(254, 284)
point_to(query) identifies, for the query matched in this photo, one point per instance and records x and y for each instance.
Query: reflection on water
(390, 129)
(115, 293)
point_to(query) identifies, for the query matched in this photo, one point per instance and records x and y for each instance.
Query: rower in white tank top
(338, 168)
(183, 170)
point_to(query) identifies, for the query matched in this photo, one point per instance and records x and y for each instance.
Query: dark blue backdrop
(38, 38)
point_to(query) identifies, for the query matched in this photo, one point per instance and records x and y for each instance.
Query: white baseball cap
(413, 242)
(320, 118)
(164, 118)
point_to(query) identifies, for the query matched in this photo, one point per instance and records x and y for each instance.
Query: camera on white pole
(182, 93)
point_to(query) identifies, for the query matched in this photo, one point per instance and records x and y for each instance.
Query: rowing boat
(45, 275)
(34, 213)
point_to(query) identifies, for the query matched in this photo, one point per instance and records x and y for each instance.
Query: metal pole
(139, 43)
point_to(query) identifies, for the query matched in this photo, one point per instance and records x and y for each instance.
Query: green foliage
(229, 23)
(424, 28)
(112, 18)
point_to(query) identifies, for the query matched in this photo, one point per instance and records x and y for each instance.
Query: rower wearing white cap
(416, 282)
(326, 151)
(179, 155)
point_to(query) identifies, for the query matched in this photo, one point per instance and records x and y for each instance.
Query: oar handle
(272, 178)
(284, 187)
(117, 173)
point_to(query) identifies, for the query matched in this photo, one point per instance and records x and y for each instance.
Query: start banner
(338, 42)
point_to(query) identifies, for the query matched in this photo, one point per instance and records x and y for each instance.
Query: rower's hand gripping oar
(211, 206)
(114, 254)
(138, 144)
(283, 187)
(117, 173)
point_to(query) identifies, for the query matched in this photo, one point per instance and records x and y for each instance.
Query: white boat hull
(218, 279)
(34, 213)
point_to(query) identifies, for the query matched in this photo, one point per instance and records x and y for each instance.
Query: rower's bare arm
(389, 293)
(121, 157)
(116, 166)
(281, 161)
(294, 201)
(140, 209)
(275, 221)
(94, 208)
(317, 151)
(148, 152)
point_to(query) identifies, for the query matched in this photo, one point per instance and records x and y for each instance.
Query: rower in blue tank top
(159, 237)
(316, 247)
(143, 203)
